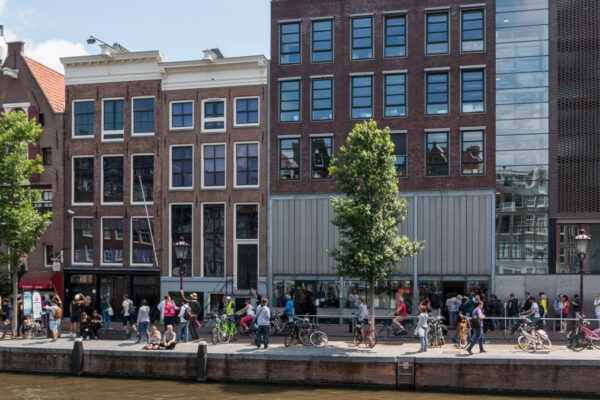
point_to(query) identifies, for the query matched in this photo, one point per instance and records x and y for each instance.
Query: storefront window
(280, 289)
(567, 260)
(328, 294)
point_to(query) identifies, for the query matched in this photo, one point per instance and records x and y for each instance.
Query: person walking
(128, 311)
(196, 310)
(477, 323)
(543, 308)
(54, 314)
(143, 322)
(263, 320)
(451, 309)
(422, 328)
(289, 307)
(184, 319)
(107, 311)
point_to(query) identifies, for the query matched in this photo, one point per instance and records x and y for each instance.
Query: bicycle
(581, 336)
(435, 333)
(530, 337)
(220, 333)
(300, 329)
(464, 333)
(391, 330)
(362, 334)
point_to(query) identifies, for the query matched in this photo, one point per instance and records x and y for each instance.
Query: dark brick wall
(415, 121)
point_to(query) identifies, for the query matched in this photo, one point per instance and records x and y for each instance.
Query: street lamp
(582, 242)
(182, 249)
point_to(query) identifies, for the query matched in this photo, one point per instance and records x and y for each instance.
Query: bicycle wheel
(289, 338)
(527, 344)
(223, 335)
(304, 336)
(215, 336)
(318, 339)
(358, 335)
(594, 338)
(464, 340)
(234, 332)
(544, 340)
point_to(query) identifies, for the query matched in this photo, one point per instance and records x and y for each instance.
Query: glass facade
(522, 137)
(567, 261)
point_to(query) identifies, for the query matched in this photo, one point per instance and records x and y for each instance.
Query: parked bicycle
(582, 337)
(221, 333)
(388, 329)
(530, 337)
(362, 332)
(306, 332)
(436, 332)
(464, 333)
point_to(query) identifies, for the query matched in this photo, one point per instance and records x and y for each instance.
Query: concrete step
(114, 334)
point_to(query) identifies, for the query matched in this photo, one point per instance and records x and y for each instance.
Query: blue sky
(180, 29)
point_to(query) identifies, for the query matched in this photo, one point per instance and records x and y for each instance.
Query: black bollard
(77, 358)
(202, 372)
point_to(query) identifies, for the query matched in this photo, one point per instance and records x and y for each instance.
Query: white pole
(148, 219)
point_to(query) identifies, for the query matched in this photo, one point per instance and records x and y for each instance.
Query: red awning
(42, 280)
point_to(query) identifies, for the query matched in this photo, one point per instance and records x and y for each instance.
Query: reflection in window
(437, 93)
(399, 140)
(113, 119)
(289, 159)
(181, 226)
(322, 41)
(472, 159)
(362, 97)
(246, 111)
(83, 240)
(113, 179)
(246, 221)
(472, 34)
(289, 42)
(395, 95)
(321, 152)
(141, 241)
(143, 166)
(437, 157)
(213, 240)
(83, 114)
(437, 33)
(289, 101)
(246, 161)
(395, 36)
(182, 115)
(83, 180)
(143, 116)
(214, 115)
(472, 91)
(214, 165)
(322, 99)
(112, 240)
(182, 161)
(362, 38)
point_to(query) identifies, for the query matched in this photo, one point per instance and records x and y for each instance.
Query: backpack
(131, 308)
(187, 315)
(57, 313)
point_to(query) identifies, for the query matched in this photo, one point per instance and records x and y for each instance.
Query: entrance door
(114, 286)
(247, 266)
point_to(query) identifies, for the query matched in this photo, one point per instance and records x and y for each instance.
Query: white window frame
(9, 107)
(237, 241)
(110, 203)
(73, 203)
(182, 188)
(133, 117)
(202, 185)
(220, 119)
(73, 242)
(73, 119)
(171, 239)
(202, 235)
(46, 254)
(235, 184)
(235, 123)
(122, 132)
(131, 241)
(134, 178)
(180, 128)
(102, 262)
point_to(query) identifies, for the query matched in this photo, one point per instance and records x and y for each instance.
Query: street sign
(56, 266)
(37, 305)
(27, 305)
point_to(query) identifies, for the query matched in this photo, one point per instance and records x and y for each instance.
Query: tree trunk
(15, 293)
(372, 305)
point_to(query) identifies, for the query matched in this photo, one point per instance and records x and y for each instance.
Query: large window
(83, 180)
(395, 36)
(182, 167)
(181, 227)
(143, 116)
(83, 240)
(399, 140)
(112, 126)
(112, 240)
(437, 33)
(289, 43)
(246, 246)
(141, 240)
(322, 100)
(112, 181)
(322, 41)
(143, 166)
(213, 116)
(473, 153)
(83, 118)
(472, 95)
(395, 95)
(362, 38)
(213, 240)
(362, 97)
(321, 153)
(437, 156)
(472, 30)
(289, 159)
(246, 164)
(289, 101)
(182, 115)
(214, 165)
(437, 93)
(246, 111)
(44, 204)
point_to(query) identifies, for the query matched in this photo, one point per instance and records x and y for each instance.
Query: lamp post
(582, 242)
(182, 249)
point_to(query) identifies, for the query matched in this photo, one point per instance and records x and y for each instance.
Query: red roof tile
(51, 82)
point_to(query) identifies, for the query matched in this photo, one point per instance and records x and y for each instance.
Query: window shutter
(34, 112)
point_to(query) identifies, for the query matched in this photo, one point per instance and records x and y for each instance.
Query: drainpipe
(269, 202)
(415, 258)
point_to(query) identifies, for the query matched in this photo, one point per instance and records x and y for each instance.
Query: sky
(179, 29)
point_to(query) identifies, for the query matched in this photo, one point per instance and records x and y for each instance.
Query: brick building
(424, 69)
(162, 150)
(30, 87)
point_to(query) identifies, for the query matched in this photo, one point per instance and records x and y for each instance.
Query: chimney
(15, 48)
(213, 54)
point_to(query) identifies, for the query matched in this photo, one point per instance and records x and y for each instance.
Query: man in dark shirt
(512, 305)
(196, 310)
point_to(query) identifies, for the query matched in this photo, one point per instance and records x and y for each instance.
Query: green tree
(21, 223)
(370, 210)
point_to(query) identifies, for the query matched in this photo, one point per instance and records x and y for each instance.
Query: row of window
(437, 154)
(181, 172)
(437, 36)
(181, 116)
(437, 95)
(181, 225)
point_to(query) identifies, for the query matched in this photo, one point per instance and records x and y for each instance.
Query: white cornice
(117, 58)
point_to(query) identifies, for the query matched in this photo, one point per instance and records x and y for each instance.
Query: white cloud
(49, 52)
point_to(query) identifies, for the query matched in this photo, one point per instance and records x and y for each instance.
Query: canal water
(48, 387)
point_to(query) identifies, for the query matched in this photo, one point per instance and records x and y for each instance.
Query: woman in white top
(249, 311)
(422, 328)
(363, 311)
(154, 342)
(597, 308)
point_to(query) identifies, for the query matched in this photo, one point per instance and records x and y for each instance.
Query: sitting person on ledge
(154, 342)
(169, 340)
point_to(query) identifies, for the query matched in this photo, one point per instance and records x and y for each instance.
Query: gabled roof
(51, 82)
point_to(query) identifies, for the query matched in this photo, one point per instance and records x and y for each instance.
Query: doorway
(114, 286)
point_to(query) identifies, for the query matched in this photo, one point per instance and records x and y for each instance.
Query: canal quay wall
(557, 372)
